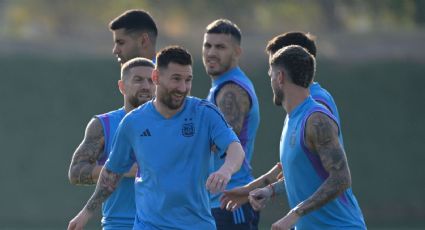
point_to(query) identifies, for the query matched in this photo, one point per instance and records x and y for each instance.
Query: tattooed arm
(106, 184)
(234, 103)
(322, 138)
(84, 169)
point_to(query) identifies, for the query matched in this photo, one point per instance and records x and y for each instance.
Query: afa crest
(188, 129)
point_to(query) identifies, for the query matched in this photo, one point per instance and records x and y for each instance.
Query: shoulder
(232, 94)
(94, 128)
(232, 88)
(321, 127)
(202, 104)
(321, 116)
(110, 113)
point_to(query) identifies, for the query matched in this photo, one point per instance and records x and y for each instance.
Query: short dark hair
(174, 54)
(135, 21)
(225, 26)
(138, 61)
(297, 62)
(305, 40)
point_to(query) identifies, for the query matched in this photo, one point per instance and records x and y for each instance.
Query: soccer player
(170, 137)
(134, 35)
(317, 177)
(238, 196)
(234, 94)
(137, 88)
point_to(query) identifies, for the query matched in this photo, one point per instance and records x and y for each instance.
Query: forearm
(331, 188)
(105, 186)
(266, 179)
(234, 158)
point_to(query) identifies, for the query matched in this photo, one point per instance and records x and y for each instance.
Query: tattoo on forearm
(323, 138)
(106, 185)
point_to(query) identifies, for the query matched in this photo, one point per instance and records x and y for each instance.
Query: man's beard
(277, 97)
(221, 69)
(170, 103)
(135, 101)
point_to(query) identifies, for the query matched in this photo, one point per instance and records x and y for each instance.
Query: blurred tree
(420, 12)
(332, 18)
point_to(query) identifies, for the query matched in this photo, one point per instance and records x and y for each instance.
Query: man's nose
(115, 49)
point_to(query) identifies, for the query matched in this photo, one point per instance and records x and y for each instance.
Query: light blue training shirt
(173, 157)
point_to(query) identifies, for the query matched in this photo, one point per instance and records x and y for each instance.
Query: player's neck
(215, 77)
(150, 54)
(128, 107)
(293, 97)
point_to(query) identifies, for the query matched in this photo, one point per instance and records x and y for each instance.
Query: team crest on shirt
(188, 128)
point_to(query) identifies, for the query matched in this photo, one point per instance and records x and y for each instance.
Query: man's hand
(80, 220)
(218, 180)
(235, 198)
(287, 222)
(280, 175)
(259, 197)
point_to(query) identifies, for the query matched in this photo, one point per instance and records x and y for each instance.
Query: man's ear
(155, 76)
(281, 77)
(144, 39)
(121, 86)
(238, 50)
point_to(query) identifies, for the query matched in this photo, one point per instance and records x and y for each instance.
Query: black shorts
(243, 218)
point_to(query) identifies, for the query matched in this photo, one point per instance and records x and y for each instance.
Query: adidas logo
(146, 133)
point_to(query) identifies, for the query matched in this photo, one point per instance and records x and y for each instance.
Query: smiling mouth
(144, 95)
(212, 61)
(178, 96)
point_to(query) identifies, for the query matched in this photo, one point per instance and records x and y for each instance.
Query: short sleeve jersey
(173, 156)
